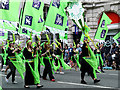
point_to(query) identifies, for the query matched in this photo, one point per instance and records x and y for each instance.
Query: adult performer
(85, 66)
(47, 53)
(11, 56)
(28, 54)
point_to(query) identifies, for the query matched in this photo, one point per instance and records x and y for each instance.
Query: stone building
(93, 13)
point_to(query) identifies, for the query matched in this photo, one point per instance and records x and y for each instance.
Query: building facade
(93, 13)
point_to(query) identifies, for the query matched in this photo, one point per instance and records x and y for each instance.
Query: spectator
(66, 54)
(79, 49)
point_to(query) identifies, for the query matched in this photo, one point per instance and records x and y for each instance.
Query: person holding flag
(11, 56)
(47, 53)
(30, 75)
(87, 64)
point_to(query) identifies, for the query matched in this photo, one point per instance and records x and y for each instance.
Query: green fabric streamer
(41, 61)
(55, 67)
(65, 66)
(35, 75)
(13, 37)
(36, 69)
(47, 38)
(19, 64)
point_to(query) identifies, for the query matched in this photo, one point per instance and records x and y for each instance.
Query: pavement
(70, 79)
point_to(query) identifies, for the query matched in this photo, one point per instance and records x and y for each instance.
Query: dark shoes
(103, 71)
(26, 86)
(96, 80)
(39, 86)
(83, 82)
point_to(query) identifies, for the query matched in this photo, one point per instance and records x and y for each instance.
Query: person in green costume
(85, 65)
(47, 53)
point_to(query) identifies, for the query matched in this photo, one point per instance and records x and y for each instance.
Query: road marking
(95, 86)
(113, 74)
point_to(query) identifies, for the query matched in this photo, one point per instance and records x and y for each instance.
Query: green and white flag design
(57, 17)
(102, 30)
(9, 10)
(76, 12)
(33, 16)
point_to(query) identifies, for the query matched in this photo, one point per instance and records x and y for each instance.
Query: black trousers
(85, 67)
(47, 69)
(12, 72)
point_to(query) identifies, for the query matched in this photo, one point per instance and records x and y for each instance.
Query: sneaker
(2, 70)
(83, 82)
(96, 81)
(57, 72)
(103, 71)
(26, 86)
(62, 73)
(44, 78)
(6, 79)
(39, 86)
(14, 82)
(53, 80)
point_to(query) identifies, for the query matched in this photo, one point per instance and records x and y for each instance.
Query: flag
(87, 29)
(33, 16)
(117, 38)
(76, 13)
(9, 10)
(3, 34)
(57, 17)
(102, 28)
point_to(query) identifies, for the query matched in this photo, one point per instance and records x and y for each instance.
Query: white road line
(113, 74)
(95, 86)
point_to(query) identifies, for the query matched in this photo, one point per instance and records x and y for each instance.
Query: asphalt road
(71, 79)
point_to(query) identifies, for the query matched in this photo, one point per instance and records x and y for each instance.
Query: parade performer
(73, 58)
(29, 64)
(47, 53)
(38, 49)
(99, 58)
(59, 55)
(87, 63)
(11, 56)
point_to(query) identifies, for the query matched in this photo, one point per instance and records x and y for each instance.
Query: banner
(57, 17)
(33, 15)
(9, 10)
(102, 30)
(117, 38)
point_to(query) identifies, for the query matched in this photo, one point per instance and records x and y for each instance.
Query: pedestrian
(59, 53)
(70, 50)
